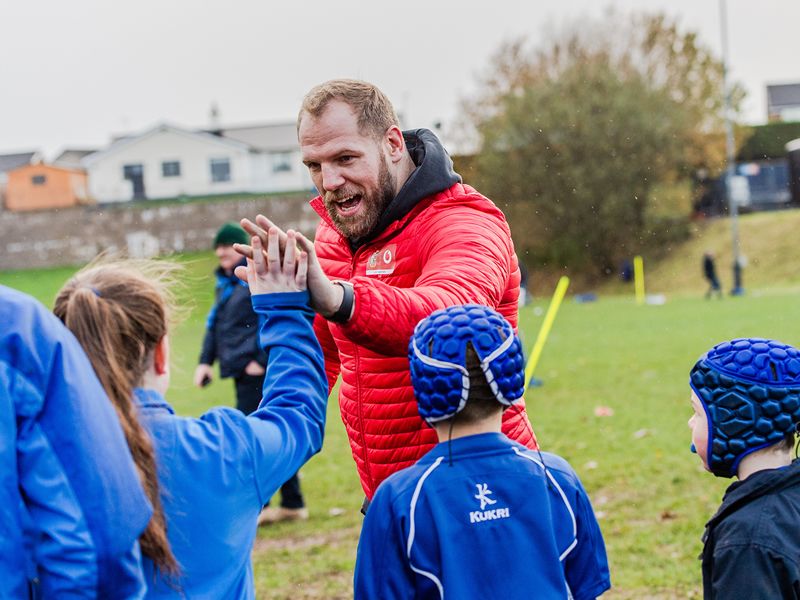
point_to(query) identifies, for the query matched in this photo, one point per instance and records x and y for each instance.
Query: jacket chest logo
(382, 261)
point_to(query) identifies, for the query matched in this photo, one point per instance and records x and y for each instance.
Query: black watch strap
(342, 314)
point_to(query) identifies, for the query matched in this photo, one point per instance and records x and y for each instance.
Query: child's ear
(161, 357)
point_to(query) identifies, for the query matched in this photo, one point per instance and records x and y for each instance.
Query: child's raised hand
(264, 272)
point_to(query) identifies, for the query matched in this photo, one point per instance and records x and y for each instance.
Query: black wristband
(342, 314)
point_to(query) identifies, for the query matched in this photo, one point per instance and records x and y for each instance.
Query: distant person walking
(523, 284)
(232, 339)
(710, 273)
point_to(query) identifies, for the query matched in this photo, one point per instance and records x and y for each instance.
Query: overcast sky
(74, 73)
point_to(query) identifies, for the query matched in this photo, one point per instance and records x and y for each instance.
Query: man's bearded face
(356, 208)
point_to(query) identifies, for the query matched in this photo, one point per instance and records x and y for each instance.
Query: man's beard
(373, 201)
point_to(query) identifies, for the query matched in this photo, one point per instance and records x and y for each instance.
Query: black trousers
(248, 397)
(713, 286)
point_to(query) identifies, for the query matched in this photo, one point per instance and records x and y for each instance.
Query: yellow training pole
(638, 278)
(544, 331)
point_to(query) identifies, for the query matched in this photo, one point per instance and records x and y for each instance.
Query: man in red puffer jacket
(400, 237)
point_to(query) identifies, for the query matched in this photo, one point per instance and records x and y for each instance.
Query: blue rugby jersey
(481, 517)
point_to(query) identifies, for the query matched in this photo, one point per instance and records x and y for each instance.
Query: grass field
(650, 493)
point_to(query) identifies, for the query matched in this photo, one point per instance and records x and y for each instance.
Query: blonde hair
(372, 107)
(119, 310)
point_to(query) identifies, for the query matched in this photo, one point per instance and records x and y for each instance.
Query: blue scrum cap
(437, 355)
(750, 389)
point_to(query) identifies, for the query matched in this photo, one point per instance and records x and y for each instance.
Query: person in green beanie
(231, 338)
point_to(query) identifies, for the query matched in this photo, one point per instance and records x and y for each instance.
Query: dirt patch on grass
(639, 594)
(326, 578)
(316, 591)
(333, 538)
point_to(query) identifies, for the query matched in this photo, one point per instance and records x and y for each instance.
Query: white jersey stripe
(574, 543)
(412, 527)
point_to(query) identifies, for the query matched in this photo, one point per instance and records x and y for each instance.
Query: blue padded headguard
(750, 389)
(437, 354)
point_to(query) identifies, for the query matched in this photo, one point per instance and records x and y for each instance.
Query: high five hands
(265, 274)
(268, 244)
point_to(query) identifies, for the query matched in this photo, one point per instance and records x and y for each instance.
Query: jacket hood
(434, 174)
(758, 484)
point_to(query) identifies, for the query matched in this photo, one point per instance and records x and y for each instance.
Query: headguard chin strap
(437, 355)
(750, 389)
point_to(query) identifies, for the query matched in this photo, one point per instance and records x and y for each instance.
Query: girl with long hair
(206, 477)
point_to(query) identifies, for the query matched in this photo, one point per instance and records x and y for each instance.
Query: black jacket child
(752, 544)
(232, 331)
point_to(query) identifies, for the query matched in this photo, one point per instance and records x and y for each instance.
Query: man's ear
(161, 357)
(395, 143)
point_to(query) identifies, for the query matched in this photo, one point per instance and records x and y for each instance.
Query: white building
(168, 162)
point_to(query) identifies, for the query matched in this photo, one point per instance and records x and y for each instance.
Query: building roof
(783, 95)
(267, 137)
(129, 140)
(47, 167)
(71, 157)
(12, 161)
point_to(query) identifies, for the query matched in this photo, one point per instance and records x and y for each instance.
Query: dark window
(171, 168)
(132, 171)
(220, 169)
(39, 179)
(282, 162)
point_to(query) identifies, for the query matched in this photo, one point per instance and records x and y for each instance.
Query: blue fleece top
(480, 517)
(217, 471)
(71, 506)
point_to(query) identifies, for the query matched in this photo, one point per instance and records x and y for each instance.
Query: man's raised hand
(325, 296)
(259, 229)
(265, 272)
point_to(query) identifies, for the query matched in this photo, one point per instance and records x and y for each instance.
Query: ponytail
(119, 312)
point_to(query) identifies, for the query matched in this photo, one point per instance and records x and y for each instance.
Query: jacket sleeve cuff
(280, 300)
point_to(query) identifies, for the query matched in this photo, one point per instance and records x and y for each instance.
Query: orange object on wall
(43, 187)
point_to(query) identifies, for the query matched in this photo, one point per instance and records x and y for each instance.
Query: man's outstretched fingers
(244, 250)
(253, 229)
(265, 224)
(308, 246)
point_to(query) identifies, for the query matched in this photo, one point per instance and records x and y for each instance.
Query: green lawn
(650, 493)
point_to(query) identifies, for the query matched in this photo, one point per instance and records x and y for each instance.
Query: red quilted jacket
(453, 247)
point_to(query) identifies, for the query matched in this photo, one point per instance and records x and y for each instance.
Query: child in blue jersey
(479, 516)
(214, 472)
(746, 401)
(71, 504)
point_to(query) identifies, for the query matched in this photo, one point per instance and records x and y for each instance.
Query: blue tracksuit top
(493, 523)
(71, 505)
(217, 471)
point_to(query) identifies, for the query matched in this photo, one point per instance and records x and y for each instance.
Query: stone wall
(73, 236)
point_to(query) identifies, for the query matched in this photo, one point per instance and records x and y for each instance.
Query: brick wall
(73, 236)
